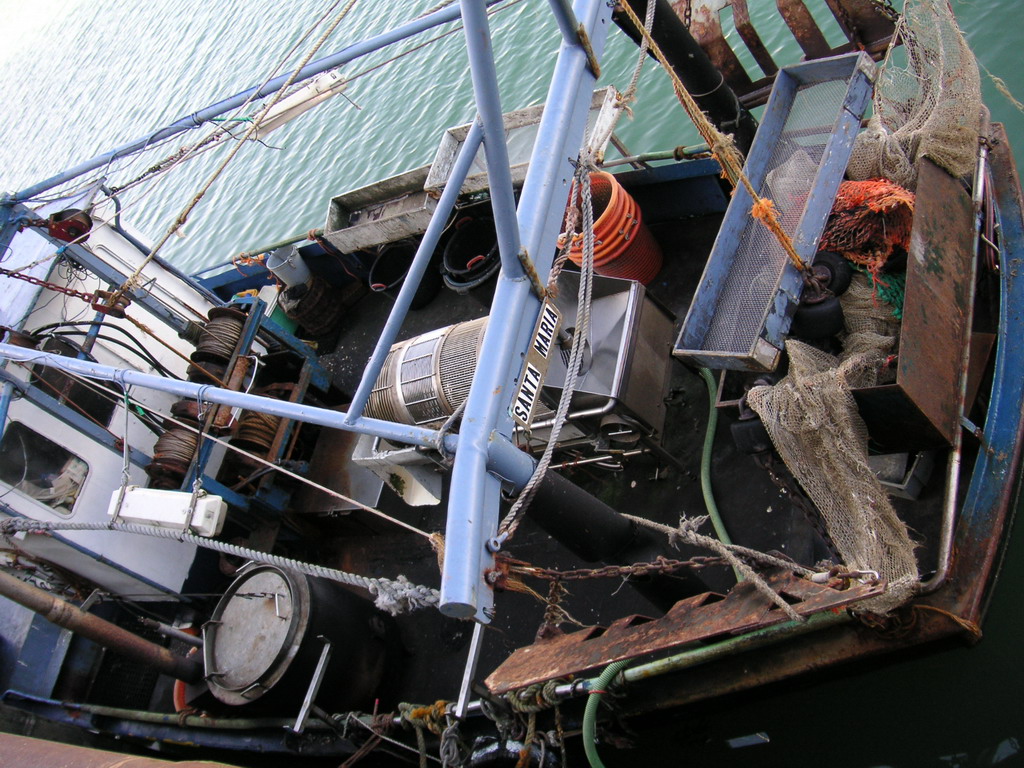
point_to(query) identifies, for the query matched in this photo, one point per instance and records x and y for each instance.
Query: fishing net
(931, 107)
(870, 221)
(813, 421)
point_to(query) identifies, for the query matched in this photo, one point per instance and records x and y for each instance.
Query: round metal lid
(254, 632)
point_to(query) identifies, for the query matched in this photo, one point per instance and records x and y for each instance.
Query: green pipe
(705, 465)
(677, 154)
(746, 642)
(595, 692)
(281, 243)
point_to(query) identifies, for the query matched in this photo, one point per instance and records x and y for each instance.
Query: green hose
(705, 464)
(590, 713)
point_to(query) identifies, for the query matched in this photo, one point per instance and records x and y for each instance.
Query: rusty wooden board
(697, 618)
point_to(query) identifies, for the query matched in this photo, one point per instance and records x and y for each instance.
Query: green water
(79, 77)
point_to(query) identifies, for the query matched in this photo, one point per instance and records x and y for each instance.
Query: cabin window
(39, 468)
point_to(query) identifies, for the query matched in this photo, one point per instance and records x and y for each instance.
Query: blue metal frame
(485, 457)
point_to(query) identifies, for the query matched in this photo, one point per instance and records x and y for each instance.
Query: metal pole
(210, 394)
(503, 457)
(445, 204)
(499, 175)
(475, 495)
(194, 120)
(100, 631)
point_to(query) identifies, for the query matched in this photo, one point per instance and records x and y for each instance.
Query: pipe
(702, 79)
(172, 632)
(590, 712)
(677, 154)
(502, 457)
(100, 631)
(464, 590)
(499, 175)
(389, 334)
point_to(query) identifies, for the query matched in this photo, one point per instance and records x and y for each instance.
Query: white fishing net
(813, 421)
(931, 107)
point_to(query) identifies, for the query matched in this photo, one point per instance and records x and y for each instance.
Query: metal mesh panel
(458, 360)
(753, 277)
(419, 389)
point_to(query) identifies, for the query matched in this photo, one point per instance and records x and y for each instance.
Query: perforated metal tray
(744, 304)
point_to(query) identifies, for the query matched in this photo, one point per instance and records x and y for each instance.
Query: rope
(722, 148)
(686, 532)
(392, 595)
(511, 521)
(132, 281)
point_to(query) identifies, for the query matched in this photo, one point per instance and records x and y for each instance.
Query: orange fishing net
(870, 221)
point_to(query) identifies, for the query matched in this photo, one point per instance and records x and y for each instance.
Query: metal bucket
(392, 265)
(470, 259)
(288, 266)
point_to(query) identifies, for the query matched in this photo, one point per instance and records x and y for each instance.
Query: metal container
(268, 633)
(287, 264)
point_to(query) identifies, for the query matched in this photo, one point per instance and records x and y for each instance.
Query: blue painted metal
(210, 394)
(566, 20)
(499, 175)
(420, 262)
(792, 83)
(473, 502)
(990, 492)
(196, 119)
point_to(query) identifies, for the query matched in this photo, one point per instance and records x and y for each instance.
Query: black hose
(139, 348)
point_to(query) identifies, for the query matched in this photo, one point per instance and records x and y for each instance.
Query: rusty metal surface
(982, 528)
(862, 21)
(100, 631)
(696, 618)
(921, 408)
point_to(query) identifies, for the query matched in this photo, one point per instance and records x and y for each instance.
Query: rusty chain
(86, 297)
(885, 9)
(660, 564)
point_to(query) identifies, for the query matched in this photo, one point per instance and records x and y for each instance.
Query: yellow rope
(722, 147)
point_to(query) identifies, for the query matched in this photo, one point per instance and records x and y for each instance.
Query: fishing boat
(535, 443)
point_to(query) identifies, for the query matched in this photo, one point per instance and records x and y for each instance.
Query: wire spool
(256, 432)
(172, 456)
(204, 373)
(220, 336)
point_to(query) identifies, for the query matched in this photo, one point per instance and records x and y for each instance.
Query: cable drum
(172, 456)
(256, 431)
(220, 336)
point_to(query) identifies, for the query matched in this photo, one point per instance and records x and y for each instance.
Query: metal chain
(885, 9)
(660, 564)
(86, 297)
